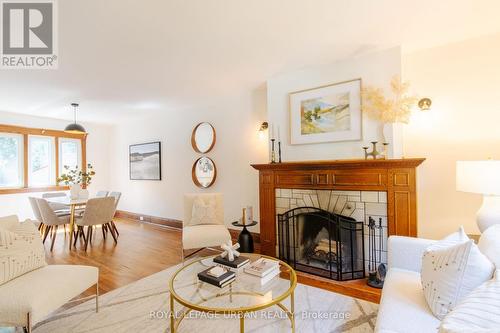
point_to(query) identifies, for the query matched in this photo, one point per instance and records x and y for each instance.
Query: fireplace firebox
(319, 242)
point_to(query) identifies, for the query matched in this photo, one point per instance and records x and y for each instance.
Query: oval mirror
(203, 138)
(204, 172)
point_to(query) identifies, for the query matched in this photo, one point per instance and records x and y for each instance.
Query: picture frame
(330, 113)
(145, 161)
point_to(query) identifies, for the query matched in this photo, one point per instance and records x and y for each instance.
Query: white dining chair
(55, 206)
(101, 194)
(50, 220)
(36, 213)
(117, 196)
(98, 211)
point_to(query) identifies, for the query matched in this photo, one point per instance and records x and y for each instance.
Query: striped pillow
(479, 312)
(21, 251)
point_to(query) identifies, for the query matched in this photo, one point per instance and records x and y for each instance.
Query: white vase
(393, 135)
(84, 194)
(74, 191)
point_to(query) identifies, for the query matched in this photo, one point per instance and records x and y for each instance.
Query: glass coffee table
(242, 296)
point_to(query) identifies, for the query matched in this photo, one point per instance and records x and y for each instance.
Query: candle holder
(279, 151)
(375, 154)
(273, 153)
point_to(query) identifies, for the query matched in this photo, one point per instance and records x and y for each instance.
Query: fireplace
(323, 243)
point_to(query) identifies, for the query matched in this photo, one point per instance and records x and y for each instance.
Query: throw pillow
(21, 251)
(489, 244)
(478, 312)
(204, 211)
(451, 269)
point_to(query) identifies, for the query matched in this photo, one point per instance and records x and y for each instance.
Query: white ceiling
(128, 57)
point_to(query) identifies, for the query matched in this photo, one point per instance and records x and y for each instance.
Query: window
(41, 156)
(11, 160)
(31, 159)
(70, 153)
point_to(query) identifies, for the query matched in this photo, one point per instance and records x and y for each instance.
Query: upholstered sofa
(403, 308)
(32, 296)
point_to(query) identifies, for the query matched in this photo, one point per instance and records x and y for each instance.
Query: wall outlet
(141, 218)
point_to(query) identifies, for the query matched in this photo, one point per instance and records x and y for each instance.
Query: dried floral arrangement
(76, 176)
(397, 110)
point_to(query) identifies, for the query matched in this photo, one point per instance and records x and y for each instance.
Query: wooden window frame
(56, 134)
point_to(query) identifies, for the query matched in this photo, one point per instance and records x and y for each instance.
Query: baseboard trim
(149, 219)
(173, 223)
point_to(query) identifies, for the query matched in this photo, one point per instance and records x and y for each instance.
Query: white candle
(279, 137)
(272, 131)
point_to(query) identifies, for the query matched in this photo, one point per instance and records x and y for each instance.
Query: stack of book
(217, 276)
(265, 269)
(236, 265)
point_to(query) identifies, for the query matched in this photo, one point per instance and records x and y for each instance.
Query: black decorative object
(245, 238)
(376, 274)
(279, 151)
(273, 153)
(326, 244)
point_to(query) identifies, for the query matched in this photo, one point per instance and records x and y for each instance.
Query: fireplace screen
(316, 241)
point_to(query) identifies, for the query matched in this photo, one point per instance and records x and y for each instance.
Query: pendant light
(74, 127)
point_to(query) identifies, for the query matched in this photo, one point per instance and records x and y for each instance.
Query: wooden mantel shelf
(357, 163)
(397, 177)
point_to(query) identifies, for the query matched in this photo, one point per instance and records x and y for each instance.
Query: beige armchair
(203, 224)
(29, 298)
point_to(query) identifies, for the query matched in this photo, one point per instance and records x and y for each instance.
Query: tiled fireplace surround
(359, 205)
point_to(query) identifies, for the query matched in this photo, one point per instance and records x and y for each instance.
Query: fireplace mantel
(395, 176)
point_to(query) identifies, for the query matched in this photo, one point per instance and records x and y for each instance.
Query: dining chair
(50, 220)
(36, 212)
(55, 206)
(98, 211)
(203, 223)
(117, 196)
(101, 194)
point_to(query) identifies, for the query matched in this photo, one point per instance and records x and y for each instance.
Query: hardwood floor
(142, 249)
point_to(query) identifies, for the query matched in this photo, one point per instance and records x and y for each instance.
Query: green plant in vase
(77, 179)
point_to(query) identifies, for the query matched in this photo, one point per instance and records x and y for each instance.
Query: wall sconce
(263, 127)
(425, 104)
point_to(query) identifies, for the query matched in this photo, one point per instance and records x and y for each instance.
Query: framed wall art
(329, 113)
(145, 161)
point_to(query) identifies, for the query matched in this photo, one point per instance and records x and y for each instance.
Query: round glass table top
(245, 293)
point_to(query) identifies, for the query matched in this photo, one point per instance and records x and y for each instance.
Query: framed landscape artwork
(145, 161)
(326, 114)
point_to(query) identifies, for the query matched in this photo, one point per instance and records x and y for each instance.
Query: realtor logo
(28, 34)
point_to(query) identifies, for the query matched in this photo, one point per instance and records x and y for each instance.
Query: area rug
(140, 307)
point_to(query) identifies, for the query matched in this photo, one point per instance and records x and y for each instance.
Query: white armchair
(30, 297)
(203, 224)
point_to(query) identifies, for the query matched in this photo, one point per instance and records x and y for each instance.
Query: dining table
(73, 205)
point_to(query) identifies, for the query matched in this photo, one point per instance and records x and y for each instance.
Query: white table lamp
(482, 177)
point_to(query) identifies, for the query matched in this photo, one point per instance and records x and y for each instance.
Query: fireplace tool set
(376, 274)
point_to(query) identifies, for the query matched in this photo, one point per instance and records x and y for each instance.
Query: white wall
(97, 155)
(463, 81)
(375, 69)
(236, 122)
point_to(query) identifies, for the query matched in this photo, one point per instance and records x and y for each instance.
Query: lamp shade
(75, 128)
(479, 177)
